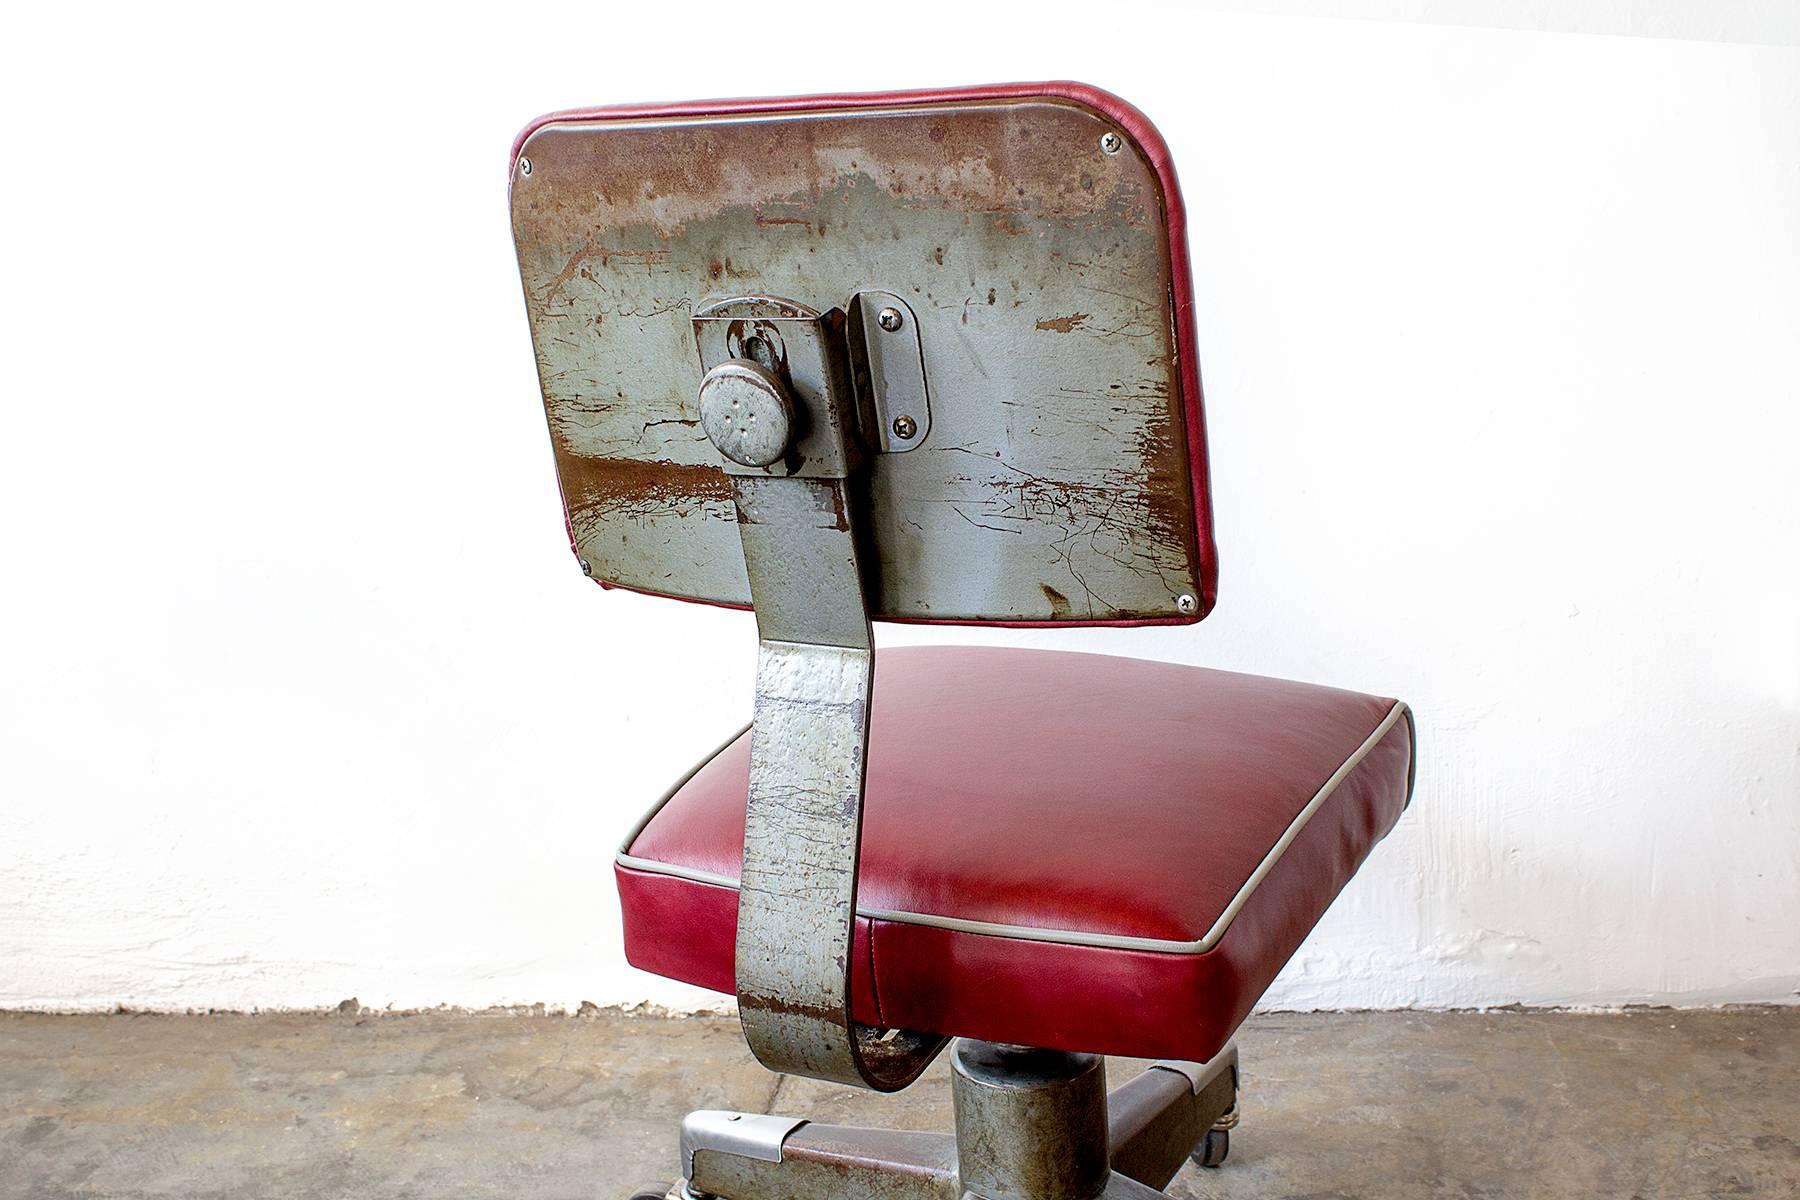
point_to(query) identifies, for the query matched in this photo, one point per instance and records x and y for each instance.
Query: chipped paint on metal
(1036, 266)
(803, 817)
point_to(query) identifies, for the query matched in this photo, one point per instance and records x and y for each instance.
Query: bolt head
(905, 428)
(1111, 143)
(524, 165)
(585, 568)
(1186, 604)
(888, 319)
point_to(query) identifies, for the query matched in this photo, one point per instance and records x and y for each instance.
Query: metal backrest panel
(1061, 478)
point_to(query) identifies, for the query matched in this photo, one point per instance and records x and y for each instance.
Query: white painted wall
(301, 696)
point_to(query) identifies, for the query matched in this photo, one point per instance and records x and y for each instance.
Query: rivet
(1186, 603)
(904, 428)
(1110, 142)
(888, 319)
(524, 165)
(585, 569)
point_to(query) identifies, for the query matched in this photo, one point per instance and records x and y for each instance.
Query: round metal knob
(746, 412)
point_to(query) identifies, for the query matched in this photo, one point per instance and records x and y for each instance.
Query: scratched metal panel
(1054, 482)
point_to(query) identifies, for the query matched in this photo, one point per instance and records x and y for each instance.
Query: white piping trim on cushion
(624, 854)
(1030, 933)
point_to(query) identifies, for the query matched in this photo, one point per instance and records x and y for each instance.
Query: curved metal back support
(1000, 424)
(814, 678)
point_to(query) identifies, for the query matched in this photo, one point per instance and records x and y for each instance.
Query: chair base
(1030, 1125)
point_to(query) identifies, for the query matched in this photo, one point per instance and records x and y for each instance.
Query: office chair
(929, 357)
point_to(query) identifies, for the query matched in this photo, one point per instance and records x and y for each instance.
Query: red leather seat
(1070, 851)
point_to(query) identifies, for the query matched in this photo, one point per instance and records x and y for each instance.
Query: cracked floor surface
(1643, 1104)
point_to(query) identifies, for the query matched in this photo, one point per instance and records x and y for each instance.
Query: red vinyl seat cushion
(1071, 851)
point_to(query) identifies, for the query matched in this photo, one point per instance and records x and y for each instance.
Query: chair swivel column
(1030, 1124)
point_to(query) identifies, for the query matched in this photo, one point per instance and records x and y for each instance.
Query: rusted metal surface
(798, 531)
(823, 1162)
(1156, 1121)
(804, 351)
(798, 895)
(1029, 1123)
(1052, 483)
(803, 818)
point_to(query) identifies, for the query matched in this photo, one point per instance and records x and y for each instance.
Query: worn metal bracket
(1035, 1124)
(888, 362)
(784, 364)
(747, 1135)
(798, 350)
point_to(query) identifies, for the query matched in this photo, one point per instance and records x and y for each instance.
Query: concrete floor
(1639, 1105)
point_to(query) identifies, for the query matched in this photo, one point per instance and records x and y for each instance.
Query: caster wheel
(1213, 1148)
(651, 1191)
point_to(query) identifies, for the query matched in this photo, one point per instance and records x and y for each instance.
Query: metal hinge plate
(890, 370)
